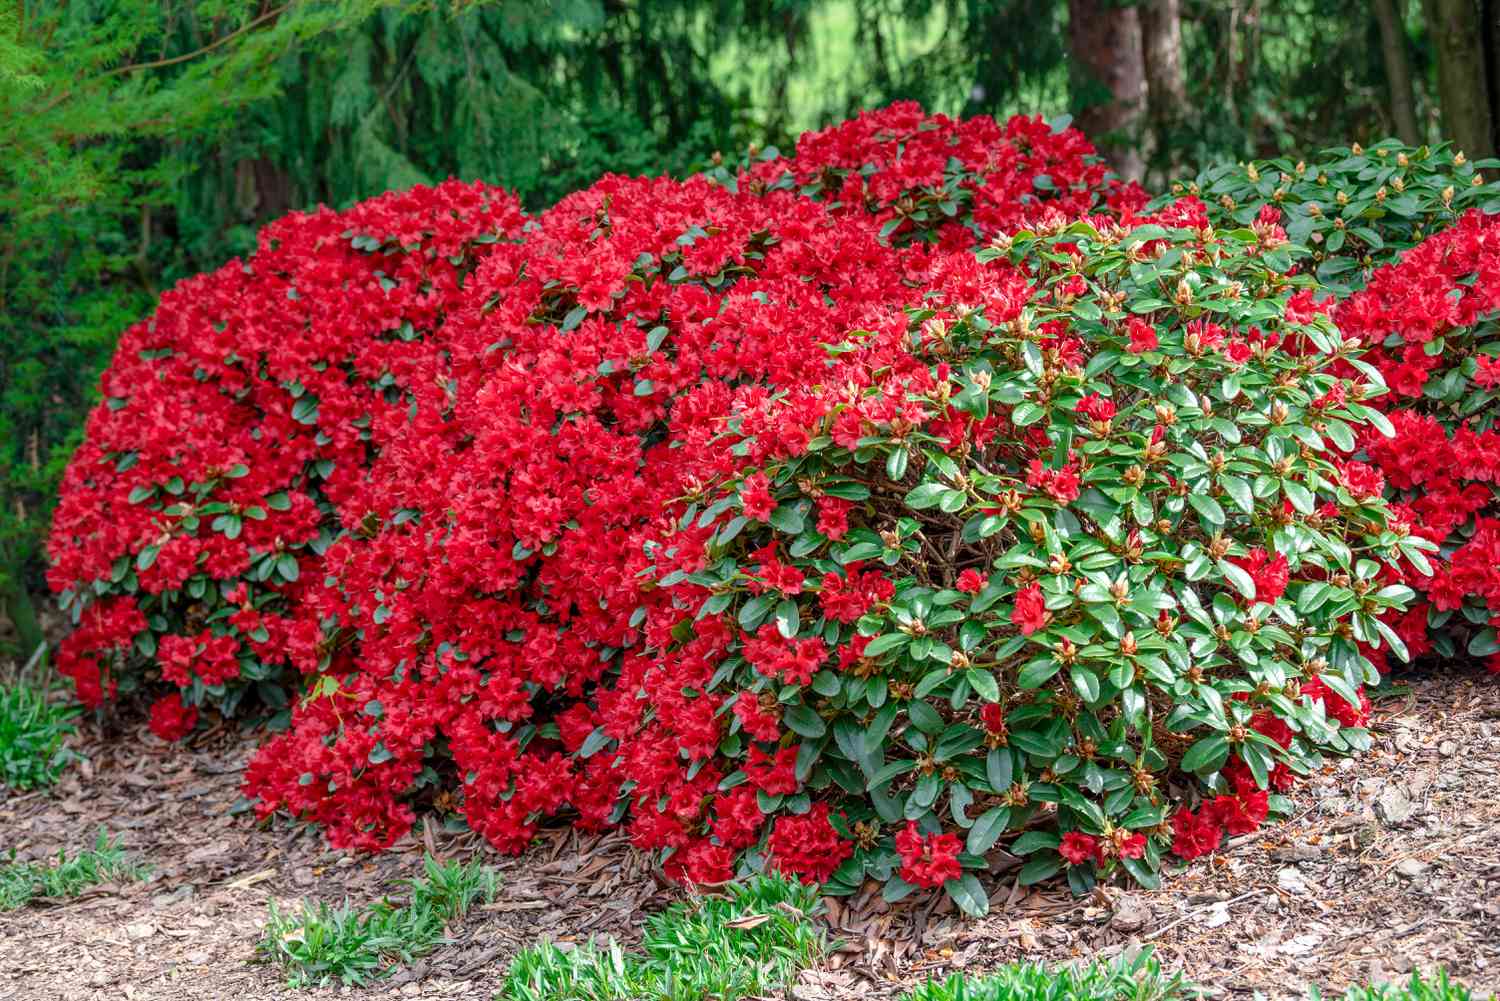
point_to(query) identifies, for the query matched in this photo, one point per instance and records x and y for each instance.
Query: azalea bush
(1028, 552)
(1404, 238)
(234, 444)
(761, 515)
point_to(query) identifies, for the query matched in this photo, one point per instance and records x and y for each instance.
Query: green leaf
(1039, 869)
(925, 495)
(984, 683)
(968, 895)
(1207, 755)
(787, 622)
(1238, 577)
(804, 721)
(1037, 672)
(1207, 507)
(987, 830)
(1085, 682)
(885, 643)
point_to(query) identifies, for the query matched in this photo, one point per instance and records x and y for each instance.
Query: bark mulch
(1390, 862)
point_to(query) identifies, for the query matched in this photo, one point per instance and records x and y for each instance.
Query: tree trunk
(1391, 15)
(1462, 75)
(1166, 86)
(1109, 80)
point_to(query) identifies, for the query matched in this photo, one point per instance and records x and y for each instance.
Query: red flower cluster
(928, 860)
(1425, 320)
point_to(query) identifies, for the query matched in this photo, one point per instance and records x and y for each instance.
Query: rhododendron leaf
(1085, 682)
(1301, 497)
(1239, 491)
(984, 684)
(787, 617)
(1142, 873)
(884, 643)
(895, 464)
(926, 495)
(790, 518)
(1039, 869)
(931, 681)
(1484, 643)
(987, 829)
(924, 717)
(969, 895)
(804, 721)
(889, 771)
(753, 612)
(1036, 672)
(1206, 755)
(1207, 507)
(1238, 577)
(999, 769)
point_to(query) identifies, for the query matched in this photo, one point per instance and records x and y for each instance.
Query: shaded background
(145, 141)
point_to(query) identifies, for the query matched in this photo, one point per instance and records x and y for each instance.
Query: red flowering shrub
(1062, 570)
(1402, 236)
(955, 183)
(759, 515)
(236, 440)
(1430, 323)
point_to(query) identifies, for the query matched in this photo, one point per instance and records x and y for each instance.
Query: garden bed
(1386, 866)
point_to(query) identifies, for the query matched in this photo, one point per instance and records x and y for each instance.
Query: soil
(1389, 862)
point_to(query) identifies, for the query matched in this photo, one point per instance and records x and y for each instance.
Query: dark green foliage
(22, 882)
(1136, 977)
(353, 945)
(32, 731)
(751, 943)
(1418, 988)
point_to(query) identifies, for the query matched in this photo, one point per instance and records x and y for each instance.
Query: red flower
(928, 861)
(171, 718)
(1095, 408)
(755, 497)
(1270, 576)
(807, 846)
(1195, 835)
(1030, 612)
(1078, 848)
(970, 582)
(1142, 335)
(1131, 846)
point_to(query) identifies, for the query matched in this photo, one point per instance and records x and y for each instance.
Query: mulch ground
(1390, 862)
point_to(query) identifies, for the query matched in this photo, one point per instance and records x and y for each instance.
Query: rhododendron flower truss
(1036, 656)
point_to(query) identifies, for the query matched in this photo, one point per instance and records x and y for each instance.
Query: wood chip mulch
(1390, 862)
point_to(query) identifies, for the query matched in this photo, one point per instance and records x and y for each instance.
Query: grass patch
(1137, 977)
(1418, 988)
(22, 882)
(32, 731)
(323, 943)
(751, 942)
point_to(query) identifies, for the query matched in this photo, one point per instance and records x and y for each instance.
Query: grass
(22, 882)
(751, 942)
(32, 731)
(1418, 988)
(323, 943)
(1136, 977)
(1140, 978)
